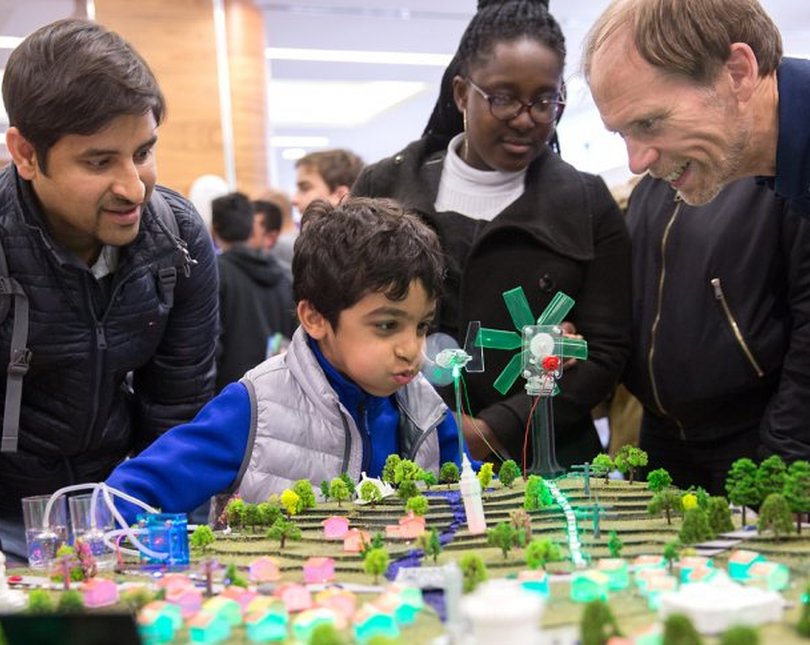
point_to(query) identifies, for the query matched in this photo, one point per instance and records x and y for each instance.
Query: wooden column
(179, 41)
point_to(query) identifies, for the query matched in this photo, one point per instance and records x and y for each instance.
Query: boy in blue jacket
(346, 394)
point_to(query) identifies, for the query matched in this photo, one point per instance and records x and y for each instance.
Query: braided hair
(495, 22)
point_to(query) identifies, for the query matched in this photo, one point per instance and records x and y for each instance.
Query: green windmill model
(542, 351)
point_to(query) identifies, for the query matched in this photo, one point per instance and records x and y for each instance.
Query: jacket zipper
(362, 415)
(654, 330)
(735, 328)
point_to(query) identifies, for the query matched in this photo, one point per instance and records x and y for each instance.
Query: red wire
(526, 434)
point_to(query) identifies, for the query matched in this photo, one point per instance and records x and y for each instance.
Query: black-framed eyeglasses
(503, 107)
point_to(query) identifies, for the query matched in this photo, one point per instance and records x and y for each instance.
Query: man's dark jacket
(564, 233)
(255, 302)
(721, 315)
(113, 365)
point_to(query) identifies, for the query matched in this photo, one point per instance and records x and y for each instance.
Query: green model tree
(719, 515)
(740, 635)
(473, 569)
(135, 598)
(283, 530)
(40, 602)
(537, 494)
(541, 551)
(508, 473)
(376, 562)
(803, 626)
(269, 512)
(603, 465)
(350, 483)
(522, 522)
(326, 634)
(202, 538)
(370, 493)
(679, 630)
(658, 480)
(338, 491)
(233, 577)
(324, 490)
(797, 490)
(418, 505)
(303, 488)
(597, 624)
(236, 513)
(504, 536)
(71, 602)
(629, 460)
(390, 468)
(429, 478)
(695, 527)
(665, 501)
(407, 489)
(431, 544)
(671, 553)
(771, 476)
(615, 545)
(741, 485)
(485, 475)
(449, 473)
(406, 471)
(774, 514)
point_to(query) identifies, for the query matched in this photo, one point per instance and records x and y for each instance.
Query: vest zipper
(654, 330)
(735, 328)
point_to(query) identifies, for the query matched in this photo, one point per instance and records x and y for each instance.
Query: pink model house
(99, 592)
(339, 600)
(319, 570)
(239, 594)
(294, 596)
(335, 527)
(355, 539)
(174, 580)
(264, 569)
(189, 599)
(410, 527)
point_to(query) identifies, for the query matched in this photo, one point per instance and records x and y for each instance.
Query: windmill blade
(571, 347)
(557, 310)
(518, 307)
(476, 363)
(434, 372)
(506, 379)
(498, 339)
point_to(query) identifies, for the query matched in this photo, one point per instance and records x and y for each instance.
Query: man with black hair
(255, 293)
(113, 278)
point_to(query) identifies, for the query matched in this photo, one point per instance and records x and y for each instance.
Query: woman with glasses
(511, 213)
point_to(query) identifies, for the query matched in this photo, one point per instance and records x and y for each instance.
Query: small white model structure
(471, 495)
(10, 599)
(386, 490)
(500, 611)
(713, 607)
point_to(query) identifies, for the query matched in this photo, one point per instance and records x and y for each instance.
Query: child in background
(346, 394)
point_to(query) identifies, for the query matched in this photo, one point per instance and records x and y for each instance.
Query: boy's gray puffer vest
(300, 429)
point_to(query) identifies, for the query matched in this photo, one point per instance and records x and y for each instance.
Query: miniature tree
(774, 514)
(797, 490)
(429, 478)
(771, 476)
(603, 465)
(615, 545)
(679, 629)
(670, 553)
(338, 491)
(629, 459)
(370, 493)
(537, 494)
(136, 598)
(87, 561)
(740, 635)
(66, 567)
(376, 562)
(325, 490)
(283, 530)
(741, 485)
(418, 505)
(597, 625)
(540, 551)
(719, 515)
(658, 480)
(508, 473)
(71, 602)
(390, 467)
(350, 483)
(504, 536)
(236, 513)
(666, 501)
(407, 489)
(695, 527)
(39, 602)
(233, 577)
(485, 475)
(251, 517)
(303, 488)
(209, 565)
(269, 512)
(522, 522)
(431, 544)
(803, 626)
(449, 473)
(326, 634)
(202, 538)
(291, 502)
(473, 569)
(700, 495)
(406, 471)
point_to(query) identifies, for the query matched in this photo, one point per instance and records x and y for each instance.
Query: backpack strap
(19, 355)
(167, 276)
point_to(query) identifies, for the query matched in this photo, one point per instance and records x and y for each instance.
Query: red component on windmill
(551, 363)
